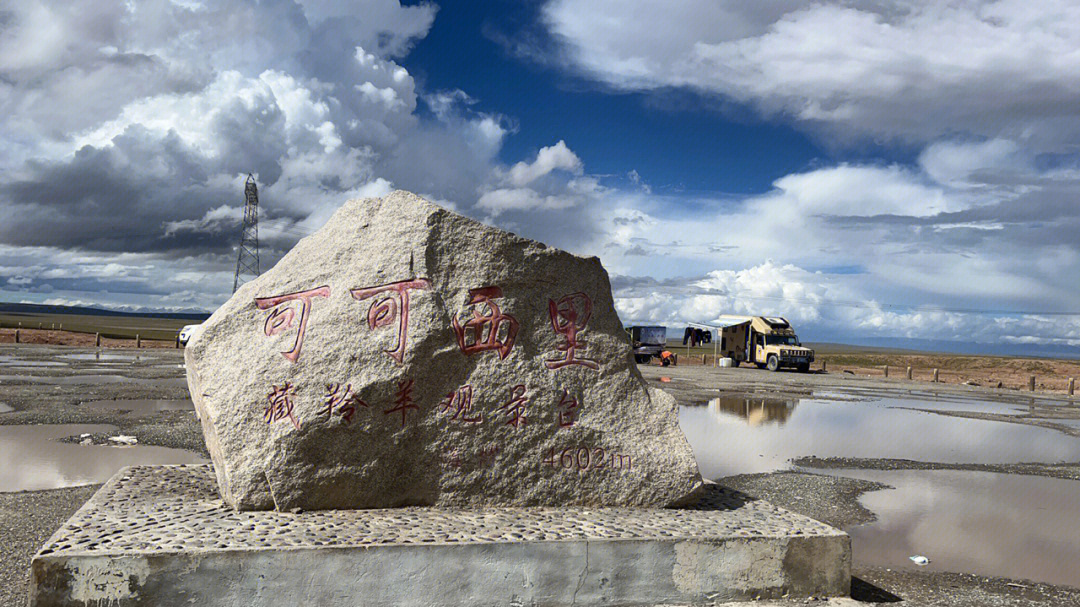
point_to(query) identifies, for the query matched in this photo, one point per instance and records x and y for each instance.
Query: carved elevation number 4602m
(587, 458)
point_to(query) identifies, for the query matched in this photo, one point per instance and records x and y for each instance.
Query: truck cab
(647, 341)
(768, 342)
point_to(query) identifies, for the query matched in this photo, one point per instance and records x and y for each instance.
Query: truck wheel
(642, 359)
(804, 367)
(773, 363)
(734, 362)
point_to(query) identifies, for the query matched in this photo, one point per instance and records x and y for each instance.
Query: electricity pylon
(247, 261)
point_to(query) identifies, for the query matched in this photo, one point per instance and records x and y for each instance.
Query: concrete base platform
(160, 535)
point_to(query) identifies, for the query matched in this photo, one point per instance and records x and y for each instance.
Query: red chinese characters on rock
(483, 332)
(459, 404)
(340, 401)
(569, 315)
(567, 410)
(403, 401)
(281, 318)
(393, 306)
(280, 404)
(516, 408)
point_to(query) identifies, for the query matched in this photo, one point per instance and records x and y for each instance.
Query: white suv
(186, 333)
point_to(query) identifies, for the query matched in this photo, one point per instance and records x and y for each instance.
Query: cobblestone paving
(176, 508)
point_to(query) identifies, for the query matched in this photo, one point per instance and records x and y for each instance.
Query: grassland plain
(115, 327)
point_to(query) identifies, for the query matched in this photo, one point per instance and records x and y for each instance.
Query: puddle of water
(957, 405)
(728, 442)
(95, 379)
(142, 405)
(755, 411)
(36, 460)
(1021, 527)
(27, 364)
(100, 356)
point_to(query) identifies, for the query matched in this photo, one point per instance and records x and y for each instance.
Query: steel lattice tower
(247, 261)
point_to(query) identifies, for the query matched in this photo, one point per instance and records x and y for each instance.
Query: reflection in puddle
(755, 411)
(94, 379)
(724, 443)
(36, 460)
(976, 522)
(142, 405)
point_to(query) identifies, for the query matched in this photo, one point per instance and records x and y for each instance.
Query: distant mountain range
(26, 308)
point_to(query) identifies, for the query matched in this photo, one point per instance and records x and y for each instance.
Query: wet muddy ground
(50, 396)
(979, 481)
(982, 483)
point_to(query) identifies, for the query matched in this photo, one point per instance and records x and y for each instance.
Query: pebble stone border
(168, 509)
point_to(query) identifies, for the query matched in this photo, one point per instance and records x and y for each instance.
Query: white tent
(726, 320)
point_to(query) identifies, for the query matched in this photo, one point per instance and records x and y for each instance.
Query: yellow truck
(767, 341)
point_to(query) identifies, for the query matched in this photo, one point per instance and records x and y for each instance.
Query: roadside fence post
(138, 341)
(1072, 382)
(17, 341)
(97, 339)
(886, 370)
(1031, 383)
(61, 326)
(703, 360)
(824, 366)
(935, 376)
(909, 372)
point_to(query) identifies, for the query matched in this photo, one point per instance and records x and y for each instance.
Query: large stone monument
(415, 409)
(407, 355)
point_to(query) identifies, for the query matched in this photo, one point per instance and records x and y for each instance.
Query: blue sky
(676, 141)
(899, 169)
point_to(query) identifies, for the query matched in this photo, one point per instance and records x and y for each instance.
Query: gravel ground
(1066, 471)
(829, 499)
(27, 519)
(911, 589)
(158, 374)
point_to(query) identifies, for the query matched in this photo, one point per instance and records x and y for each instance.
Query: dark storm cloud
(114, 198)
(1044, 215)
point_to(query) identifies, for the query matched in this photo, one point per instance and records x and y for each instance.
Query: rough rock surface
(406, 355)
